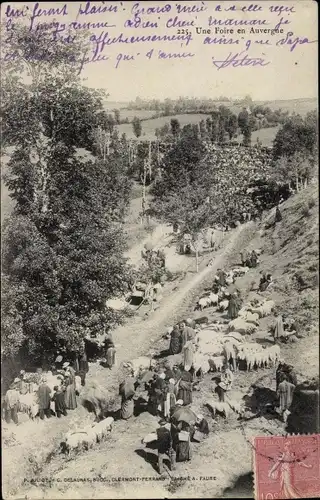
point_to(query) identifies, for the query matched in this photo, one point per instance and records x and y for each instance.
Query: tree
(231, 126)
(175, 127)
(215, 119)
(137, 127)
(297, 135)
(243, 120)
(117, 116)
(63, 243)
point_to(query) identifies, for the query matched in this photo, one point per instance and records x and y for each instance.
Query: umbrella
(185, 415)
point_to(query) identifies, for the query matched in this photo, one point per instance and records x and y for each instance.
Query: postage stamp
(287, 467)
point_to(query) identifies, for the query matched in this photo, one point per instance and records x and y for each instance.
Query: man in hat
(23, 386)
(44, 399)
(165, 447)
(11, 402)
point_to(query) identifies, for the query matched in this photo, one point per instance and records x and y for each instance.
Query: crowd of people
(52, 393)
(166, 390)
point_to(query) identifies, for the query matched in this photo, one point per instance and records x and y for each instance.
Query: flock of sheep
(87, 437)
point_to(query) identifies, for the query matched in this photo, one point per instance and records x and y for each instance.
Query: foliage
(63, 243)
(297, 135)
(137, 127)
(175, 127)
(68, 258)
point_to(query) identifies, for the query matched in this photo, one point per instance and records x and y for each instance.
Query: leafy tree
(203, 129)
(231, 126)
(137, 126)
(63, 243)
(175, 127)
(215, 118)
(243, 120)
(297, 135)
(117, 116)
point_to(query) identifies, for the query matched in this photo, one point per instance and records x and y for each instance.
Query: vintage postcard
(160, 278)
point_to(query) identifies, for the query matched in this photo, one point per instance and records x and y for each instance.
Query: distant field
(266, 136)
(149, 126)
(300, 106)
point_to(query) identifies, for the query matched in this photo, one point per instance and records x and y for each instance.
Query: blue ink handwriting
(293, 42)
(238, 60)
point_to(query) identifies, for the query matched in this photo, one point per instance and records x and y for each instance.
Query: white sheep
(29, 404)
(220, 407)
(216, 363)
(241, 326)
(201, 362)
(274, 354)
(203, 303)
(223, 305)
(103, 427)
(248, 316)
(214, 299)
(84, 438)
(265, 309)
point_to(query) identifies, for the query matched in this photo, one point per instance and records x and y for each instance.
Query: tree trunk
(297, 183)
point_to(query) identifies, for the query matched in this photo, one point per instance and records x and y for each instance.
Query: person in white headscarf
(170, 400)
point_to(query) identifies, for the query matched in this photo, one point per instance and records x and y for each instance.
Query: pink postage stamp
(286, 467)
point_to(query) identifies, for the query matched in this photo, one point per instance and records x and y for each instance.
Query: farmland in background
(149, 126)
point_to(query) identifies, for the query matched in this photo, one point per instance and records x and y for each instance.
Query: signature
(240, 59)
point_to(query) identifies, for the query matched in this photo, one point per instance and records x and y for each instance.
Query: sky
(279, 71)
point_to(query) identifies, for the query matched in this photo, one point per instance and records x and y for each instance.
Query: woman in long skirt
(183, 448)
(185, 388)
(110, 351)
(127, 407)
(175, 341)
(70, 394)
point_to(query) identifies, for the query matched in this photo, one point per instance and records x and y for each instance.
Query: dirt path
(133, 339)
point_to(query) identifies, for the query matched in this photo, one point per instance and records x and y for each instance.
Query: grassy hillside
(149, 126)
(265, 135)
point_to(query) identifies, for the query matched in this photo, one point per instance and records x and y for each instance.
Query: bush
(305, 211)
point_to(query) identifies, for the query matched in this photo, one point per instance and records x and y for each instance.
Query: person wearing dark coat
(185, 388)
(158, 393)
(278, 217)
(164, 439)
(182, 448)
(233, 307)
(44, 399)
(175, 341)
(222, 277)
(83, 368)
(253, 259)
(110, 351)
(59, 402)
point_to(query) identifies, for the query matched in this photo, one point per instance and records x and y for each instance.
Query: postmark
(286, 467)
